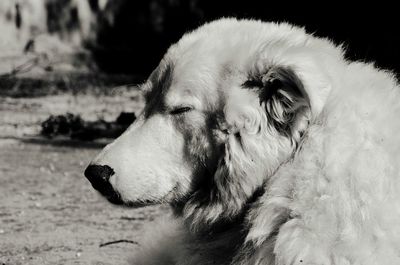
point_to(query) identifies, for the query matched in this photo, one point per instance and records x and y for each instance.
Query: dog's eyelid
(180, 109)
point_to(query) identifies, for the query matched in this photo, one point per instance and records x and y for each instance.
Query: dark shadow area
(61, 142)
(74, 127)
(139, 32)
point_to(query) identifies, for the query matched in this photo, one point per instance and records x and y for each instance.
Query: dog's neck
(221, 224)
(221, 240)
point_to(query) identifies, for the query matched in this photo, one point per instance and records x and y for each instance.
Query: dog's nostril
(98, 175)
(99, 178)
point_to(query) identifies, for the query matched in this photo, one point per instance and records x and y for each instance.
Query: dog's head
(228, 104)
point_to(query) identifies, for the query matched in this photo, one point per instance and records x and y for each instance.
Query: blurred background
(130, 37)
(68, 70)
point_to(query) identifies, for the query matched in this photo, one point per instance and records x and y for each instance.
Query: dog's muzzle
(99, 177)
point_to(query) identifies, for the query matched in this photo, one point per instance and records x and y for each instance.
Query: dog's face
(227, 105)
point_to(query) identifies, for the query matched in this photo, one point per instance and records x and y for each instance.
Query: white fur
(334, 201)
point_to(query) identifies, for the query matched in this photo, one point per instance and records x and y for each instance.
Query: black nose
(99, 177)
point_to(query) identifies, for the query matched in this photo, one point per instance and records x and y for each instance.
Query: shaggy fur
(271, 149)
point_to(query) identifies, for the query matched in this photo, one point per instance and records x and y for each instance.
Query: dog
(270, 147)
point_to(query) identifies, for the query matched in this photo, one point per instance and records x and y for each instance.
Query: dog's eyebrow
(159, 83)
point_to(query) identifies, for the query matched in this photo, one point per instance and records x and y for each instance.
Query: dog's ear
(286, 103)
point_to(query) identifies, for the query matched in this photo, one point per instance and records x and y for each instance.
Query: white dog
(270, 147)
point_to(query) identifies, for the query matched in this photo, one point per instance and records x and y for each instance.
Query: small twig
(140, 218)
(23, 68)
(118, 241)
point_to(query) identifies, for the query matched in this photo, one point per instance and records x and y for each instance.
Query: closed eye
(180, 110)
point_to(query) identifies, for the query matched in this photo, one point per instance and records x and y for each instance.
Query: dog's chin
(117, 200)
(138, 204)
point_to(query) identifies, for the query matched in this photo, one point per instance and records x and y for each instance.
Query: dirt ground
(49, 213)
